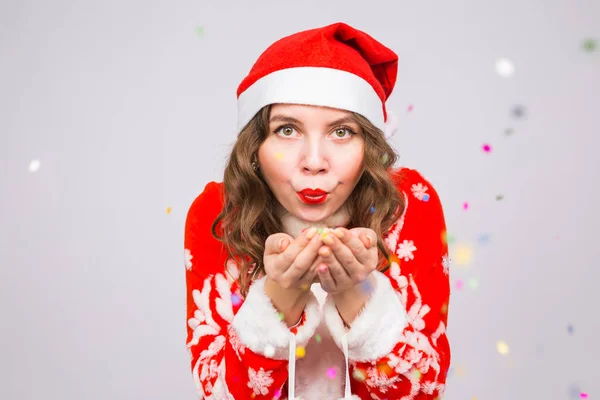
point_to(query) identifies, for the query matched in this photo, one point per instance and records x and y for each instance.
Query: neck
(293, 226)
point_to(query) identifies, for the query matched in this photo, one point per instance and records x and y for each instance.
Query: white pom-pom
(353, 397)
(391, 125)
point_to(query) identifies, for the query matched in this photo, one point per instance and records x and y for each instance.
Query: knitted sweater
(396, 348)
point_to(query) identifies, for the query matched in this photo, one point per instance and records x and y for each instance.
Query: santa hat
(335, 66)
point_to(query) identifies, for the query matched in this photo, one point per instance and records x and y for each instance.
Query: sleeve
(238, 347)
(397, 345)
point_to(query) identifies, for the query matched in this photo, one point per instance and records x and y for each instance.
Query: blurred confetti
(359, 374)
(499, 197)
(281, 316)
(505, 67)
(331, 373)
(483, 238)
(426, 197)
(466, 205)
(168, 210)
(200, 31)
(318, 338)
(473, 283)
(34, 165)
(372, 210)
(487, 148)
(269, 351)
(509, 131)
(277, 394)
(366, 286)
(410, 108)
(300, 351)
(570, 329)
(502, 347)
(518, 111)
(463, 254)
(583, 395)
(384, 158)
(589, 45)
(279, 156)
(235, 299)
(459, 284)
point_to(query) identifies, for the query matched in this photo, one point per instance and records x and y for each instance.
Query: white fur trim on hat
(317, 86)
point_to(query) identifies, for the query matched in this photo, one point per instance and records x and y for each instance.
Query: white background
(130, 111)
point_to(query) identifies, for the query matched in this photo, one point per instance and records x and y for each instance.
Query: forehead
(303, 112)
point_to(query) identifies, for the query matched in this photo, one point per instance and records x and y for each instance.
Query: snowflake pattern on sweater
(239, 348)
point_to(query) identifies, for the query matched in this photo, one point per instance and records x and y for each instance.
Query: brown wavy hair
(248, 214)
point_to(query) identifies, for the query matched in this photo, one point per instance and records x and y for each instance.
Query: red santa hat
(335, 66)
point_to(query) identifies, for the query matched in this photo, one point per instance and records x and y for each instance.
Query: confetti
(426, 197)
(473, 284)
(508, 131)
(366, 286)
(410, 108)
(583, 395)
(318, 338)
(417, 374)
(300, 351)
(269, 351)
(518, 111)
(331, 373)
(502, 347)
(499, 197)
(235, 299)
(200, 31)
(281, 316)
(444, 309)
(505, 67)
(168, 210)
(384, 158)
(279, 156)
(589, 45)
(463, 254)
(447, 238)
(487, 148)
(570, 329)
(359, 374)
(277, 394)
(372, 210)
(459, 284)
(34, 165)
(465, 205)
(484, 238)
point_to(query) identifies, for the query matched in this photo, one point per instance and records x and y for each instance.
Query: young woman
(279, 303)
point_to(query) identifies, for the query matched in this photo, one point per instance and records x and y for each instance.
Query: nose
(314, 162)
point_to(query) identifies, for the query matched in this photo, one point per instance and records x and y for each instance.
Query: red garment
(397, 346)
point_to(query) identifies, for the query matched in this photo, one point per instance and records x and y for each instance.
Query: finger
(360, 245)
(298, 263)
(343, 255)
(310, 275)
(327, 282)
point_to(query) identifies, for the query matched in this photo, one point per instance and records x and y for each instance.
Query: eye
(343, 130)
(286, 129)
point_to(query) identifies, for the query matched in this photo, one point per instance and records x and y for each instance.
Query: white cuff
(377, 328)
(259, 328)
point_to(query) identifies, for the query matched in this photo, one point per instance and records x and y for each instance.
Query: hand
(292, 263)
(349, 257)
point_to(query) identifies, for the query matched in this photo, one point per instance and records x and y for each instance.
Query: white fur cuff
(377, 329)
(259, 328)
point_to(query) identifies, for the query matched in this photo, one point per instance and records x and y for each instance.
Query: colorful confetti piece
(589, 45)
(426, 197)
(459, 284)
(331, 373)
(34, 165)
(384, 158)
(359, 374)
(465, 205)
(410, 108)
(509, 131)
(300, 351)
(279, 156)
(483, 238)
(499, 197)
(518, 111)
(269, 351)
(502, 347)
(463, 254)
(570, 329)
(366, 286)
(235, 299)
(473, 283)
(168, 210)
(505, 67)
(200, 31)
(372, 210)
(583, 395)
(318, 338)
(487, 148)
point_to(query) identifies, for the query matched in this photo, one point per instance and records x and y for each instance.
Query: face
(310, 147)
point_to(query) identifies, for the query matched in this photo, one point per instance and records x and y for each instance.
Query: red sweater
(396, 348)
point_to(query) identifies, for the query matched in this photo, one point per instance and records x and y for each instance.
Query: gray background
(130, 111)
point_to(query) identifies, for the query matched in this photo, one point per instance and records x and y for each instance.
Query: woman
(281, 304)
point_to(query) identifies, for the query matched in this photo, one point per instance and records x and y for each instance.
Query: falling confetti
(459, 284)
(447, 238)
(168, 210)
(417, 374)
(509, 131)
(384, 158)
(426, 197)
(499, 197)
(465, 205)
(279, 156)
(484, 238)
(372, 210)
(318, 338)
(473, 284)
(505, 67)
(502, 347)
(570, 329)
(277, 394)
(235, 299)
(366, 286)
(34, 165)
(583, 395)
(410, 108)
(200, 31)
(518, 111)
(487, 148)
(589, 45)
(331, 373)
(463, 254)
(359, 374)
(281, 316)
(444, 309)
(300, 351)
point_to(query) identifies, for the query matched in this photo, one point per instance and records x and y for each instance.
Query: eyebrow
(283, 118)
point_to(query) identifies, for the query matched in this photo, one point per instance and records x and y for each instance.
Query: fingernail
(311, 233)
(338, 232)
(327, 239)
(369, 241)
(281, 243)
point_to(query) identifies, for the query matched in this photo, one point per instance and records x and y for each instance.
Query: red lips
(313, 192)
